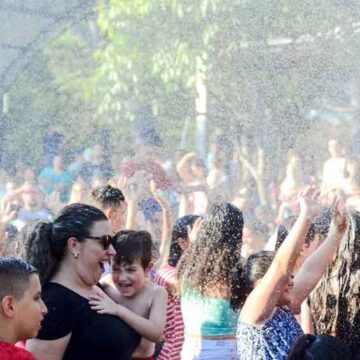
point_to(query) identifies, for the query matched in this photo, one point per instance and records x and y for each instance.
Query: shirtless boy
(130, 295)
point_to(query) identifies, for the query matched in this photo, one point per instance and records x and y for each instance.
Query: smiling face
(92, 255)
(30, 310)
(129, 279)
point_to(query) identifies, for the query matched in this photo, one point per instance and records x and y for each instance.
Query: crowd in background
(199, 267)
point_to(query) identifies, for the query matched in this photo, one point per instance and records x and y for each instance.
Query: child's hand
(309, 202)
(339, 215)
(101, 303)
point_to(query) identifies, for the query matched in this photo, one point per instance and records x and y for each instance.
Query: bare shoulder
(157, 291)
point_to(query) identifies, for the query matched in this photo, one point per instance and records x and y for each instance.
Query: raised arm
(314, 267)
(166, 223)
(261, 302)
(183, 167)
(131, 200)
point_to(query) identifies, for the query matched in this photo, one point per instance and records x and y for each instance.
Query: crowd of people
(179, 261)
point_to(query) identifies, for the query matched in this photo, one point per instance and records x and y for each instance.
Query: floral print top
(272, 341)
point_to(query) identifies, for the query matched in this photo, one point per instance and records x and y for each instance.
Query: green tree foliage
(267, 63)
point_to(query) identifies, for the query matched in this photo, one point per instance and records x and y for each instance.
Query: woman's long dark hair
(336, 311)
(209, 260)
(43, 243)
(180, 230)
(245, 276)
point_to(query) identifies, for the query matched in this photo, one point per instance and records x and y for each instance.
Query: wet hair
(322, 222)
(337, 312)
(284, 229)
(209, 260)
(107, 196)
(14, 277)
(319, 347)
(131, 245)
(44, 243)
(180, 230)
(244, 277)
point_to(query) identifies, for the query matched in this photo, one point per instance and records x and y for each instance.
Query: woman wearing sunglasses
(70, 254)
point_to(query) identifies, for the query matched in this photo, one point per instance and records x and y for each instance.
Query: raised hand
(6, 214)
(309, 202)
(339, 215)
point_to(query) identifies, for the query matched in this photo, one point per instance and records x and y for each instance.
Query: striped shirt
(174, 327)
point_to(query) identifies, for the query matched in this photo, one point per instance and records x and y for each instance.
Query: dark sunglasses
(105, 240)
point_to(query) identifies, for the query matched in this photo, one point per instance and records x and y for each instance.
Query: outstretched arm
(313, 268)
(265, 296)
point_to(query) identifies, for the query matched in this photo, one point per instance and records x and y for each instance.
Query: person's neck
(68, 277)
(7, 333)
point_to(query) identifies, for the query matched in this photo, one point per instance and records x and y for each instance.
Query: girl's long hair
(208, 262)
(335, 302)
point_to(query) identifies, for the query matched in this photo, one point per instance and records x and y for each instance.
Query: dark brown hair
(210, 259)
(133, 245)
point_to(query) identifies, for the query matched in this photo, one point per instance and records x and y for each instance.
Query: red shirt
(11, 352)
(174, 327)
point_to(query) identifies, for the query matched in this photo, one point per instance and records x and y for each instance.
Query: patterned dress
(272, 341)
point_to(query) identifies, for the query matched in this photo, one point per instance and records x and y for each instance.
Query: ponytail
(35, 248)
(44, 243)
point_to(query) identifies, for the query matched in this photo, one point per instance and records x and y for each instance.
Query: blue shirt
(272, 341)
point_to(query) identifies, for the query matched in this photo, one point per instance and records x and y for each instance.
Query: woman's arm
(182, 167)
(131, 200)
(314, 267)
(151, 328)
(265, 296)
(48, 349)
(306, 318)
(166, 223)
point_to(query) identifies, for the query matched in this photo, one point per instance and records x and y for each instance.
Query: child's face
(130, 279)
(30, 310)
